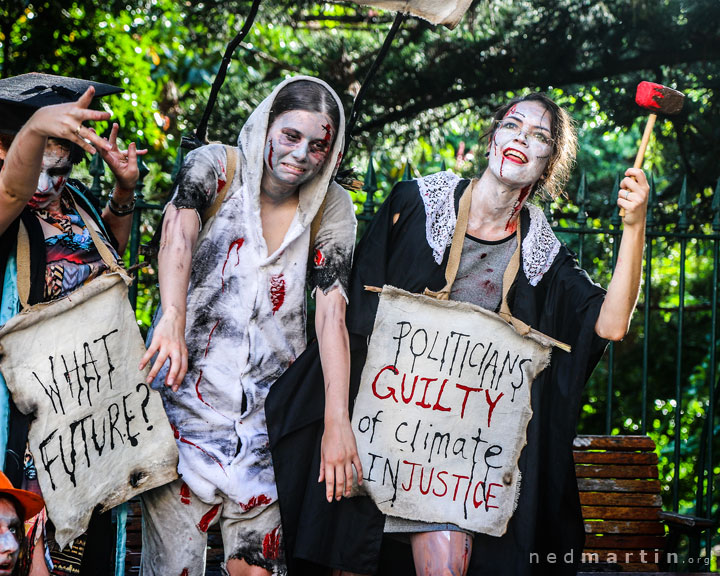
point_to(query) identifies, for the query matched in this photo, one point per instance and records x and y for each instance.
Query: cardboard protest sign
(442, 411)
(100, 434)
(445, 12)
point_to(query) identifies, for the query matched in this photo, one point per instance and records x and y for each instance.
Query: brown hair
(562, 132)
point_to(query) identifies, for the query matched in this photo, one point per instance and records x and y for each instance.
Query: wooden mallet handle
(645, 139)
(643, 146)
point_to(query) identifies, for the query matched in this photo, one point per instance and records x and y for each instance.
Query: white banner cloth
(100, 434)
(442, 411)
(447, 13)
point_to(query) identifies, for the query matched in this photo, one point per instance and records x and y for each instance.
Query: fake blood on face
(511, 224)
(270, 155)
(328, 132)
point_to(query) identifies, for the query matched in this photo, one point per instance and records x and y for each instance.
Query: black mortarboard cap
(22, 95)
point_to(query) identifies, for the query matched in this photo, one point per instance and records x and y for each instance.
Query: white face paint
(296, 147)
(521, 146)
(56, 167)
(11, 527)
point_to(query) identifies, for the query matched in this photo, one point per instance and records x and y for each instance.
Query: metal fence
(662, 380)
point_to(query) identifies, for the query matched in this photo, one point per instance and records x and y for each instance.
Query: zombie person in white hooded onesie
(233, 320)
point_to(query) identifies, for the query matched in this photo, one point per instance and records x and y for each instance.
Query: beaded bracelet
(121, 209)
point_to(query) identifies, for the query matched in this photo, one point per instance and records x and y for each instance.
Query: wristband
(121, 209)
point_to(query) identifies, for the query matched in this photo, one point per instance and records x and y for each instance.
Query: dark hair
(77, 154)
(306, 95)
(562, 132)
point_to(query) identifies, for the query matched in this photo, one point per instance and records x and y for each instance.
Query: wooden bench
(625, 526)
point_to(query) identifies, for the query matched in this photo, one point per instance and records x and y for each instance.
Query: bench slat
(623, 458)
(620, 527)
(624, 541)
(605, 471)
(619, 513)
(619, 499)
(624, 443)
(615, 485)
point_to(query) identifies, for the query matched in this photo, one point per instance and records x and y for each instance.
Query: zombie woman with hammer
(530, 149)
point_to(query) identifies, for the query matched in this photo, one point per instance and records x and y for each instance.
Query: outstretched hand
(168, 342)
(338, 455)
(66, 121)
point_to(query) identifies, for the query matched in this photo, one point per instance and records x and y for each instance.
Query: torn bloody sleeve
(202, 176)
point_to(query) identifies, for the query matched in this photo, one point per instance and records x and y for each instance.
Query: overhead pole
(199, 137)
(359, 98)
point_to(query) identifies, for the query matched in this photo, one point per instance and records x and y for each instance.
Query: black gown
(545, 535)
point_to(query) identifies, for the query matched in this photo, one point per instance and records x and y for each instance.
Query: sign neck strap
(454, 262)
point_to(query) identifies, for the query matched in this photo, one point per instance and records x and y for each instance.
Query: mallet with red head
(657, 99)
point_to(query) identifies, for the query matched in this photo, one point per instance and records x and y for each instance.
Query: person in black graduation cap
(42, 135)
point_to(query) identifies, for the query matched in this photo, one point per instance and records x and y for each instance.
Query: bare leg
(238, 567)
(441, 553)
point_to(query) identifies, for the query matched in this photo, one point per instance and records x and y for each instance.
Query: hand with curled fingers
(66, 121)
(122, 163)
(168, 342)
(633, 197)
(338, 455)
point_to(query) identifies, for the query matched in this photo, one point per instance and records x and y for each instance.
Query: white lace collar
(539, 248)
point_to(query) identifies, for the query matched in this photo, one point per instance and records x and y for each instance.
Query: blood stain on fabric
(184, 572)
(185, 494)
(271, 544)
(483, 255)
(177, 435)
(237, 244)
(200, 396)
(208, 517)
(277, 292)
(220, 184)
(209, 337)
(320, 259)
(255, 501)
